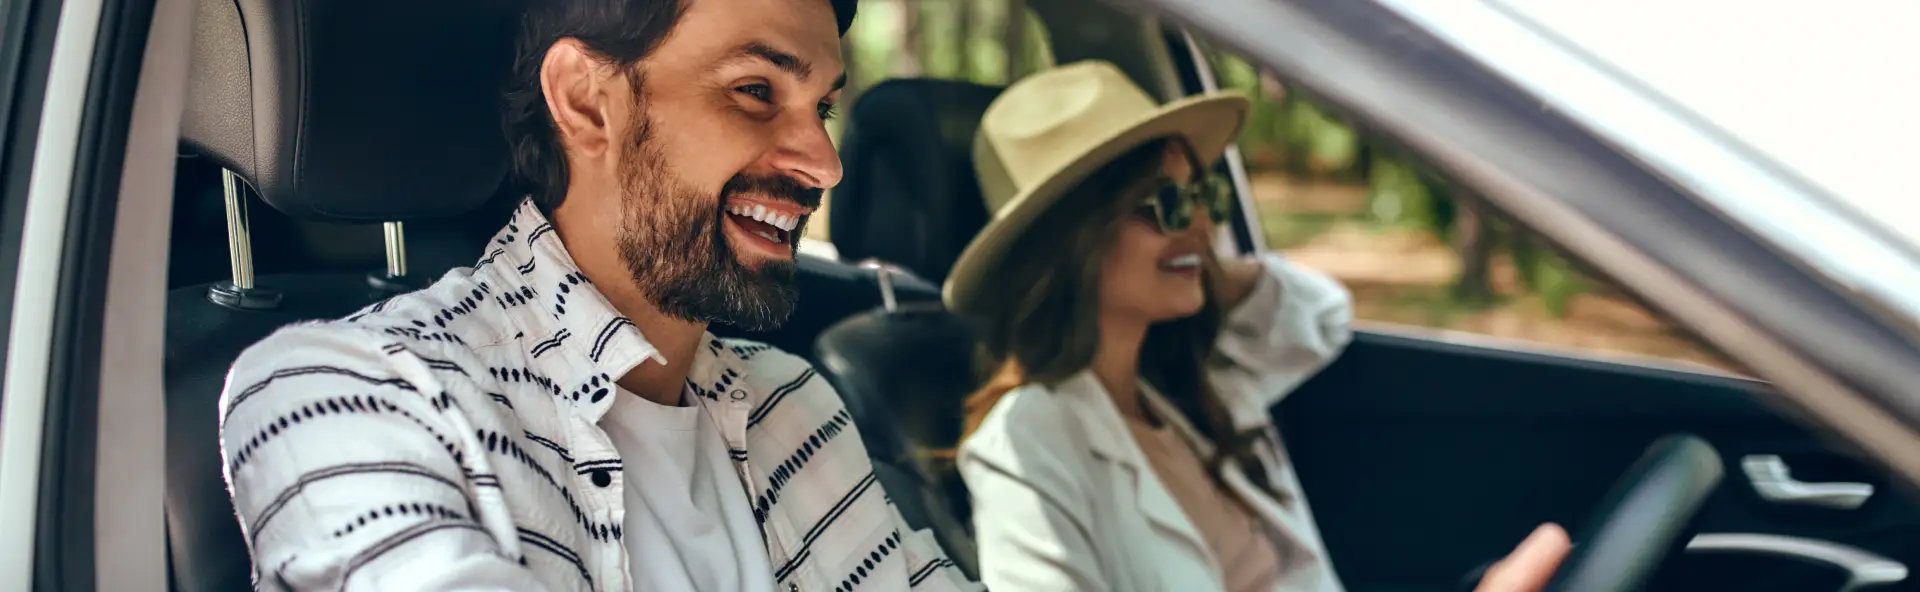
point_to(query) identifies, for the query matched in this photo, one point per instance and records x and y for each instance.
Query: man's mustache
(774, 187)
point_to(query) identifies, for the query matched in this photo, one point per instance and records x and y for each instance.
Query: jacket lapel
(1287, 523)
(1110, 440)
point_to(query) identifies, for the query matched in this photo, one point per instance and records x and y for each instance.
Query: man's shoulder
(779, 376)
(757, 355)
(389, 340)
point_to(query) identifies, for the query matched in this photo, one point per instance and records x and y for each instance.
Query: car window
(973, 40)
(1331, 197)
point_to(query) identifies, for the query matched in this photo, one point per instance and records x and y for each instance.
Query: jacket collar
(1109, 439)
(572, 333)
(1288, 524)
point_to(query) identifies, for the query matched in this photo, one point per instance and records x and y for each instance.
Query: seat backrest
(332, 110)
(909, 370)
(913, 365)
(910, 197)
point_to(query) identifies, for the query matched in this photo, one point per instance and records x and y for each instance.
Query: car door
(1494, 384)
(89, 111)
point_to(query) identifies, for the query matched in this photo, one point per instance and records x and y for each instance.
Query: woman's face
(1150, 275)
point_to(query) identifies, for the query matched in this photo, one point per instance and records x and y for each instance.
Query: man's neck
(677, 339)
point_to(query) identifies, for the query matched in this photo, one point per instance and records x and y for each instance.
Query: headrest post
(883, 274)
(240, 293)
(239, 235)
(396, 250)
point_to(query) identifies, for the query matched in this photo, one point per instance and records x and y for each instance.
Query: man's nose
(805, 153)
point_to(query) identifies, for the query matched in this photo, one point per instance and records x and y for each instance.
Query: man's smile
(765, 225)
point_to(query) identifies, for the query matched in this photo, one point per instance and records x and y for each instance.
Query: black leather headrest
(903, 373)
(358, 110)
(910, 197)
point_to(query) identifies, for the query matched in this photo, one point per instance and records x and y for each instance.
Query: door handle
(1775, 483)
(1865, 570)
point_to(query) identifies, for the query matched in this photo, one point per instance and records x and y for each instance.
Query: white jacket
(1063, 498)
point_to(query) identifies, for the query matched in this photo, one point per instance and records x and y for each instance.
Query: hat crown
(1044, 122)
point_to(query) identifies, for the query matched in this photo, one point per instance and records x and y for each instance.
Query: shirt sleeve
(928, 567)
(348, 470)
(1293, 324)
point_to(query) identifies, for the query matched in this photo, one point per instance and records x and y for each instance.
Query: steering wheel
(1643, 518)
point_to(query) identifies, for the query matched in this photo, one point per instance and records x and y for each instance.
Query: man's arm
(928, 567)
(345, 475)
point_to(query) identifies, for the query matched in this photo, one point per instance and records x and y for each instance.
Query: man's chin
(763, 298)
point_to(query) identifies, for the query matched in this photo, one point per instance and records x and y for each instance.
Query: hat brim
(1209, 123)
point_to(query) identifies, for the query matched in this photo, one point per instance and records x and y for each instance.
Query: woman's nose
(1202, 222)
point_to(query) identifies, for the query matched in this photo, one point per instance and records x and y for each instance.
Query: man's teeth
(759, 212)
(1188, 261)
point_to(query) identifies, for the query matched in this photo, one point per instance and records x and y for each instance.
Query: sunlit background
(1328, 196)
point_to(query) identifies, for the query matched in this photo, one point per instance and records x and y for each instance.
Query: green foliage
(1545, 273)
(1398, 196)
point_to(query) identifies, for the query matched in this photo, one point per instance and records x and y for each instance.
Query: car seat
(910, 198)
(334, 111)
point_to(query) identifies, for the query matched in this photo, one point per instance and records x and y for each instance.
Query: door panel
(1424, 459)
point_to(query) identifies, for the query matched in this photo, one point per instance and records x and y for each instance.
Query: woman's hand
(1531, 564)
(1238, 277)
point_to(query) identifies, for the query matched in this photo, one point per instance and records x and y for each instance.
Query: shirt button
(792, 587)
(601, 478)
(738, 395)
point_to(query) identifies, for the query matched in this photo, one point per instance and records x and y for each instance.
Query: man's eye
(758, 91)
(827, 111)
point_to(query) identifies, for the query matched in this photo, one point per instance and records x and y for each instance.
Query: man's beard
(672, 241)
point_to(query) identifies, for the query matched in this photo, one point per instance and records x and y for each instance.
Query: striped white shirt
(450, 439)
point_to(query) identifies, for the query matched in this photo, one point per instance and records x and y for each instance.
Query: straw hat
(1049, 131)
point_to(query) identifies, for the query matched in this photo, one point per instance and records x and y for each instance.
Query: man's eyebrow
(785, 61)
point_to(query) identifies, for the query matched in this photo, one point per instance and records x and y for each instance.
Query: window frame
(1830, 356)
(82, 456)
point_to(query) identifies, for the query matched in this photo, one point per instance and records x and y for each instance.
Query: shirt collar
(570, 330)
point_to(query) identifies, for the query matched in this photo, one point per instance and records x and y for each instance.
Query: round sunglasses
(1168, 204)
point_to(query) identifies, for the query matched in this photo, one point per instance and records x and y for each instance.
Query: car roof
(1700, 97)
(1827, 91)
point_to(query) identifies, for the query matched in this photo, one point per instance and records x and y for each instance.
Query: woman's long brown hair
(1043, 325)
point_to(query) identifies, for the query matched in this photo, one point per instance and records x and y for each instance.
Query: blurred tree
(906, 49)
(1013, 38)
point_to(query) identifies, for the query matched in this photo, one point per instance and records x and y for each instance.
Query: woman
(1123, 441)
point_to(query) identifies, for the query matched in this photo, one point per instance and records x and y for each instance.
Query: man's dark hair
(622, 32)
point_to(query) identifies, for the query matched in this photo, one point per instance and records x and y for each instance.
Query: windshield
(1830, 92)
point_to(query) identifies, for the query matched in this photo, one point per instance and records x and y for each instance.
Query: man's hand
(1531, 564)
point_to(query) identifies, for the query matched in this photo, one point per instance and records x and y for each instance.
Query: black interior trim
(1187, 64)
(1405, 83)
(65, 526)
(1409, 435)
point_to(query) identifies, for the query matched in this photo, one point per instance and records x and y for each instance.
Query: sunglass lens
(1217, 195)
(1176, 213)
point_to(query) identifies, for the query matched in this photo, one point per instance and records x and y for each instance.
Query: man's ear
(575, 84)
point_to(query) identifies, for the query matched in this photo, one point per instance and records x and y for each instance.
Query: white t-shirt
(689, 525)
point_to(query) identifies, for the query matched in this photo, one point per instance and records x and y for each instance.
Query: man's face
(725, 155)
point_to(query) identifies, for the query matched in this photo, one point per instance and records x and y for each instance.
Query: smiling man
(557, 417)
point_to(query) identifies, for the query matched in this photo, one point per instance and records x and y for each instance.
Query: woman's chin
(1184, 307)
